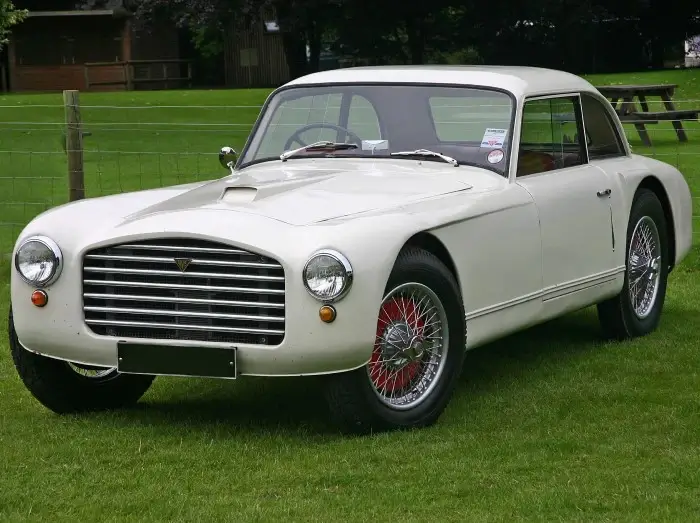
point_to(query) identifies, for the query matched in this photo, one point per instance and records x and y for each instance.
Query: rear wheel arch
(653, 184)
(646, 275)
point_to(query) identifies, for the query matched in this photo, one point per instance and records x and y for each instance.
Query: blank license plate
(164, 360)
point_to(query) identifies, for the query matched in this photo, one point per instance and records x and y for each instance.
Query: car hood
(304, 191)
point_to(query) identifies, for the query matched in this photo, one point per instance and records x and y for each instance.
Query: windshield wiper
(335, 146)
(426, 152)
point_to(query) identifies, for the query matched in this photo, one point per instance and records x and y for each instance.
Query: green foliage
(209, 41)
(574, 35)
(468, 56)
(9, 16)
(398, 31)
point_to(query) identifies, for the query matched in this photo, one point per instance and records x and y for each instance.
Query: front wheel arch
(354, 404)
(59, 388)
(429, 242)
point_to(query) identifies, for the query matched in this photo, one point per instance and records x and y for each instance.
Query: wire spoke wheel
(644, 266)
(91, 372)
(410, 346)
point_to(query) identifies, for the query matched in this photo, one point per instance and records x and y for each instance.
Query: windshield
(471, 125)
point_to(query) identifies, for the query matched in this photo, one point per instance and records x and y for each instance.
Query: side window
(549, 137)
(603, 138)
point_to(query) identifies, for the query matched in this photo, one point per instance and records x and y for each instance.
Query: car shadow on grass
(251, 404)
(297, 406)
(555, 343)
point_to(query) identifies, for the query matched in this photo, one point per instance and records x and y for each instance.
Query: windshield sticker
(375, 145)
(494, 138)
(495, 156)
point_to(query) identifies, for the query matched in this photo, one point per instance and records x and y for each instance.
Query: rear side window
(603, 139)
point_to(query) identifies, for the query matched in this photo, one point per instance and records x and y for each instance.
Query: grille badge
(182, 263)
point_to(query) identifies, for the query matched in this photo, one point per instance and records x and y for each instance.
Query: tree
(396, 30)
(302, 23)
(662, 24)
(9, 16)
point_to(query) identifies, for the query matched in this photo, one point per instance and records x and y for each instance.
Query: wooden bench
(628, 113)
(640, 119)
(661, 116)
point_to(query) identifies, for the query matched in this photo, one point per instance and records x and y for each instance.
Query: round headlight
(39, 261)
(328, 276)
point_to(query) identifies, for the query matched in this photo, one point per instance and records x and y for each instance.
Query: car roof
(521, 81)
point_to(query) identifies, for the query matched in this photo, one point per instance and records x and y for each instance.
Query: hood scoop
(239, 195)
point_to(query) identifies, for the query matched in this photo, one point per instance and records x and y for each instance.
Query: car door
(571, 197)
(606, 151)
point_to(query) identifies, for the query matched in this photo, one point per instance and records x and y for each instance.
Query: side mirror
(227, 158)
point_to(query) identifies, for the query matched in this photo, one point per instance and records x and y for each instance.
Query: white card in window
(494, 138)
(375, 145)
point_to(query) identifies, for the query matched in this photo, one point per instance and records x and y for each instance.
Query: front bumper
(309, 347)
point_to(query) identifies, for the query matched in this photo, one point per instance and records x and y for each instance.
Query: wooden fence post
(74, 146)
(3, 79)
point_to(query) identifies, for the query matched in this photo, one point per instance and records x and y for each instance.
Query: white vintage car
(378, 223)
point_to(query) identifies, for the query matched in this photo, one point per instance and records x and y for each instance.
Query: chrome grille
(140, 290)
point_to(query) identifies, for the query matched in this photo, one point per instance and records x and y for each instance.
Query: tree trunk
(656, 60)
(415, 36)
(294, 45)
(293, 39)
(314, 37)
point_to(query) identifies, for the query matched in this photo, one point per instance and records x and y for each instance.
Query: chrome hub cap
(410, 346)
(401, 345)
(644, 267)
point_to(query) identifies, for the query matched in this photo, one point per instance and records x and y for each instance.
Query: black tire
(351, 396)
(617, 315)
(64, 391)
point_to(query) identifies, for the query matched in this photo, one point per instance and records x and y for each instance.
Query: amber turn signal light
(327, 314)
(40, 298)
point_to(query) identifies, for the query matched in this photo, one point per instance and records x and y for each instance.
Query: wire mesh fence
(147, 141)
(125, 148)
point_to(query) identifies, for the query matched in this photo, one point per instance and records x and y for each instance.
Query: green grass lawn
(547, 425)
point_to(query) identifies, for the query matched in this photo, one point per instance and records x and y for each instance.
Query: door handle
(606, 192)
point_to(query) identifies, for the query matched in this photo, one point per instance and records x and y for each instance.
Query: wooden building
(254, 57)
(92, 50)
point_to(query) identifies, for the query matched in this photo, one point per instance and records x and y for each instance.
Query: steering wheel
(319, 125)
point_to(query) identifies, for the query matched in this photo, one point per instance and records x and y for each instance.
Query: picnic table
(622, 98)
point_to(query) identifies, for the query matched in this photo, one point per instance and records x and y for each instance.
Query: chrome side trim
(552, 292)
(581, 284)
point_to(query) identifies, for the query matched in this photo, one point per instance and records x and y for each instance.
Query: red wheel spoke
(408, 347)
